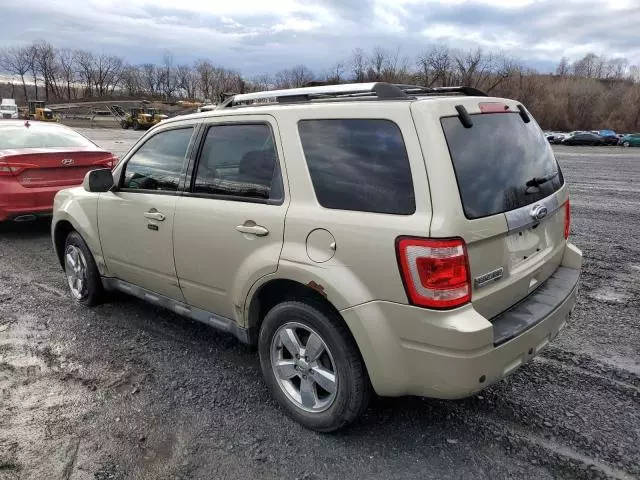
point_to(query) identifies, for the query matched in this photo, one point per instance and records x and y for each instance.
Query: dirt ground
(127, 390)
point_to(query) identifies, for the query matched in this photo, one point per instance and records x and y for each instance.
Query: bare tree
(84, 61)
(187, 81)
(563, 68)
(107, 70)
(587, 66)
(616, 68)
(437, 65)
(17, 61)
(149, 77)
(33, 67)
(167, 76)
(205, 73)
(377, 62)
(67, 71)
(131, 80)
(44, 58)
(336, 73)
(293, 77)
(359, 65)
(263, 82)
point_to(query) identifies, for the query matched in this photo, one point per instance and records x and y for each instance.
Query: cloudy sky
(256, 36)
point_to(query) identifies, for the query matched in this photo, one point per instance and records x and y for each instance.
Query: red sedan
(37, 160)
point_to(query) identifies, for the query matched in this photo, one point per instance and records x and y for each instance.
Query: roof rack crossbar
(379, 90)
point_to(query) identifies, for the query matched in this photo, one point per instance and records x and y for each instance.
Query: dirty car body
(409, 242)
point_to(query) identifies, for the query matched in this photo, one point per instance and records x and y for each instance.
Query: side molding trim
(218, 322)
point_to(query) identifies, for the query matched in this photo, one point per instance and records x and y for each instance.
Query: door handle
(253, 229)
(153, 214)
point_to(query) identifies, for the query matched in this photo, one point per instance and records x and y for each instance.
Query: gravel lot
(126, 390)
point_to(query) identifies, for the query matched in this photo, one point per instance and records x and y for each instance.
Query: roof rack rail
(417, 90)
(378, 90)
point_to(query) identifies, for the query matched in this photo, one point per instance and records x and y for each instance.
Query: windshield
(19, 136)
(9, 108)
(501, 163)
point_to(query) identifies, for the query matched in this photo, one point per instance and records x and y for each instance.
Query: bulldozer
(38, 111)
(141, 119)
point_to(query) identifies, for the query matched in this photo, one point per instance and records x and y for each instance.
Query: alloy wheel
(304, 367)
(76, 269)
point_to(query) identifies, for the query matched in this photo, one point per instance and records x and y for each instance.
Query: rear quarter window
(358, 164)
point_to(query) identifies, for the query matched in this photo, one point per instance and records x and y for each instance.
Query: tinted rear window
(358, 164)
(41, 137)
(496, 158)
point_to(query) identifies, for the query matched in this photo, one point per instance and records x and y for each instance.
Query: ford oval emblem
(67, 161)
(538, 212)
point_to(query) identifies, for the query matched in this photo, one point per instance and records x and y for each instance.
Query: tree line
(592, 92)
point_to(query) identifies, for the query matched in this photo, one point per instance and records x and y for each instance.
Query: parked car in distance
(630, 140)
(37, 160)
(300, 221)
(609, 137)
(554, 137)
(583, 138)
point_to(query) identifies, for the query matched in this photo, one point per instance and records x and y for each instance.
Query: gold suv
(366, 237)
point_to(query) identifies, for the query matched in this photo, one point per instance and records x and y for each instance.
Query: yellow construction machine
(141, 119)
(36, 110)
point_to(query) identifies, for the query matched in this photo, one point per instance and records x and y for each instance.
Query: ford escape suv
(366, 237)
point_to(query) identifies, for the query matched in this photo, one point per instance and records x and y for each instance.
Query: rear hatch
(495, 183)
(53, 167)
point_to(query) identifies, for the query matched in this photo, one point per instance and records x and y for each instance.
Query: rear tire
(81, 272)
(323, 391)
(626, 144)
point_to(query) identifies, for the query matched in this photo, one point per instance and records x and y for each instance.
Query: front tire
(312, 366)
(626, 144)
(81, 272)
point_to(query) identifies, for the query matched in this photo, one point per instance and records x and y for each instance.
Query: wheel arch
(76, 210)
(61, 231)
(277, 290)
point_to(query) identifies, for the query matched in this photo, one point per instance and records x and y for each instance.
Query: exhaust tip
(25, 218)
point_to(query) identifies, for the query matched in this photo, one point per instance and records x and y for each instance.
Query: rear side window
(358, 165)
(239, 161)
(501, 163)
(158, 164)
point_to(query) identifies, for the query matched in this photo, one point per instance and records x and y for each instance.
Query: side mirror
(100, 180)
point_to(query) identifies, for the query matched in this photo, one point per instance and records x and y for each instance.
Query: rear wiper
(537, 181)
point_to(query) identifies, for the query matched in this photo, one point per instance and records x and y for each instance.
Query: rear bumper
(16, 200)
(454, 354)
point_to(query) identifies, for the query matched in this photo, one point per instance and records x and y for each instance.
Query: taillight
(108, 162)
(11, 169)
(435, 272)
(567, 219)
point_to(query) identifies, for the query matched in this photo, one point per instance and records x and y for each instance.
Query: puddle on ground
(609, 295)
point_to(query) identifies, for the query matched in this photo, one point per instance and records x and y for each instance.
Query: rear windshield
(41, 137)
(501, 163)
